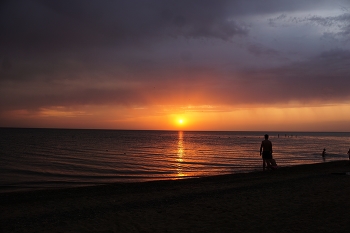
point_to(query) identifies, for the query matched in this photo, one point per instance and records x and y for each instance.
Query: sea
(32, 159)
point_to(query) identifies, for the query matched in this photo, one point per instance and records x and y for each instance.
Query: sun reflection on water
(180, 155)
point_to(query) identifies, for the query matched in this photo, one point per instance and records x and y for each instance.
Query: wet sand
(306, 198)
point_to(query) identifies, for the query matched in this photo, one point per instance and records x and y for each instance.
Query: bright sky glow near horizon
(176, 65)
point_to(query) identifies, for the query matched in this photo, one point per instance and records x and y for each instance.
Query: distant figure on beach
(349, 153)
(324, 154)
(266, 150)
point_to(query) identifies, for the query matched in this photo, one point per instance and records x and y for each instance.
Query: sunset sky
(267, 65)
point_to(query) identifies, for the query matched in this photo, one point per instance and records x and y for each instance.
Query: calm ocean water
(51, 158)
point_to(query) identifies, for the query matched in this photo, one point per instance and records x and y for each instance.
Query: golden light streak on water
(180, 155)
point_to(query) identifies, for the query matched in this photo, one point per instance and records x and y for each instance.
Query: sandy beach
(306, 198)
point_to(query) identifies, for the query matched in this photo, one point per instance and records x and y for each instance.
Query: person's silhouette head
(266, 136)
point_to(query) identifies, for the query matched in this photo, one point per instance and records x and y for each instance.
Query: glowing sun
(181, 121)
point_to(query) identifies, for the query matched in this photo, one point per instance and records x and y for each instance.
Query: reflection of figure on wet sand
(324, 154)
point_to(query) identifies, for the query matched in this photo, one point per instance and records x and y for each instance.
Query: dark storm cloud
(323, 78)
(258, 50)
(320, 79)
(132, 52)
(341, 23)
(89, 96)
(45, 36)
(54, 25)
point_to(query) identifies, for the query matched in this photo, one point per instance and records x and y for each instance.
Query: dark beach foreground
(306, 198)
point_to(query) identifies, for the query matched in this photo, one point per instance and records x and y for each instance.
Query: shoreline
(13, 189)
(302, 198)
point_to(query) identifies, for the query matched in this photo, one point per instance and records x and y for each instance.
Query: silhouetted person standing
(266, 150)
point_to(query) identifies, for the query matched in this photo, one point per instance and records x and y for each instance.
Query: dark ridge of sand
(306, 198)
